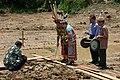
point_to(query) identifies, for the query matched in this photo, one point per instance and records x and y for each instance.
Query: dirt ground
(40, 38)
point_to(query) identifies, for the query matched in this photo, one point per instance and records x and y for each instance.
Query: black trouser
(102, 55)
(65, 49)
(94, 54)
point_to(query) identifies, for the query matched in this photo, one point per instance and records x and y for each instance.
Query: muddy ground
(40, 38)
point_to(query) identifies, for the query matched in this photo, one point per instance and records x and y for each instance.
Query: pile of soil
(43, 70)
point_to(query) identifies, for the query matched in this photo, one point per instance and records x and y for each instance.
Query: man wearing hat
(93, 32)
(103, 38)
(69, 40)
(14, 59)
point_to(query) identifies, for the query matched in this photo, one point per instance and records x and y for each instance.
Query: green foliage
(29, 6)
(20, 6)
(72, 6)
(117, 1)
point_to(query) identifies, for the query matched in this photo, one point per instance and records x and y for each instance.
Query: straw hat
(100, 19)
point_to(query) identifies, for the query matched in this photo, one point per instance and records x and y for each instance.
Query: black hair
(18, 43)
(92, 17)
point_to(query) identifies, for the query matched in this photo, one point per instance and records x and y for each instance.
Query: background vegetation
(30, 6)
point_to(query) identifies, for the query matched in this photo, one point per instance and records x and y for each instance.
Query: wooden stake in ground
(23, 37)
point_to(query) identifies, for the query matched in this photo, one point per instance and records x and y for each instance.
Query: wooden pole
(51, 6)
(23, 37)
(55, 9)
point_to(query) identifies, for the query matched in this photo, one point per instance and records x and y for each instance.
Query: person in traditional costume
(14, 58)
(60, 34)
(68, 42)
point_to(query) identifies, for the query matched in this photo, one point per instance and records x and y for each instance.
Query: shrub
(71, 6)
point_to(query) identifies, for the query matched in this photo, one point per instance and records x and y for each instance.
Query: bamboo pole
(51, 6)
(55, 9)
